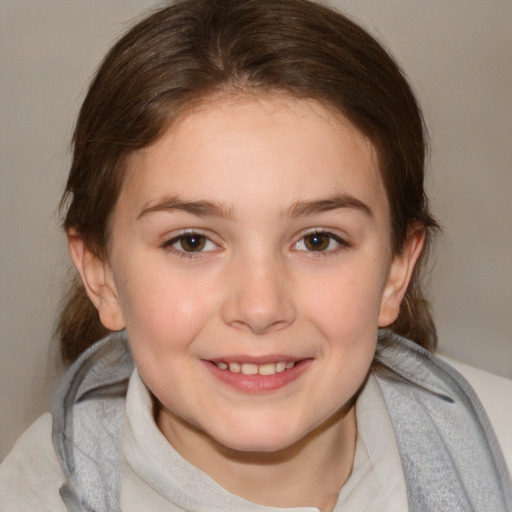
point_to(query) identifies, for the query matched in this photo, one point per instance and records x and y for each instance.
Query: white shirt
(154, 473)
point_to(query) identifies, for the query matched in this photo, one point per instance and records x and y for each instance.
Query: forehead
(269, 149)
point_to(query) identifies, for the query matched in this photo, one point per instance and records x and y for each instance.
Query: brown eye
(317, 241)
(192, 243)
(320, 241)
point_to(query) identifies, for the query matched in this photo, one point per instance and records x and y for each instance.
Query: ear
(98, 281)
(399, 275)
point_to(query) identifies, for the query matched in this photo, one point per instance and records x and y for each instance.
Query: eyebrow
(303, 208)
(198, 208)
(204, 208)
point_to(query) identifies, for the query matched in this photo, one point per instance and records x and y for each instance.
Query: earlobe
(97, 279)
(399, 276)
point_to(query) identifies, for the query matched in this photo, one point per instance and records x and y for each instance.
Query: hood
(88, 415)
(450, 455)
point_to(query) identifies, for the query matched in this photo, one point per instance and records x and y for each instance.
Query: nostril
(258, 301)
(261, 327)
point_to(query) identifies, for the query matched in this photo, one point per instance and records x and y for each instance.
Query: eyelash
(203, 241)
(327, 236)
(182, 253)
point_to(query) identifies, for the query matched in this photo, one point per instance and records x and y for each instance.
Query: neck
(309, 473)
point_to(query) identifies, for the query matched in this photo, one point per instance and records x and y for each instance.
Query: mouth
(255, 369)
(258, 376)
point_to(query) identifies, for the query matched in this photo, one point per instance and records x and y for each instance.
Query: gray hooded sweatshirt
(450, 456)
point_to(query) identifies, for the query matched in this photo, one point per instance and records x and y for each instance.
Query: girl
(246, 213)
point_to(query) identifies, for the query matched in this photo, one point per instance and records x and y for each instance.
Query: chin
(258, 438)
(260, 445)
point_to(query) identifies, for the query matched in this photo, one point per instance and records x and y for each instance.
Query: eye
(190, 243)
(320, 241)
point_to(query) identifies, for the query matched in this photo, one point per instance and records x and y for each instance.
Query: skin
(253, 180)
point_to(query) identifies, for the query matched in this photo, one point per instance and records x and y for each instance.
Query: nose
(259, 297)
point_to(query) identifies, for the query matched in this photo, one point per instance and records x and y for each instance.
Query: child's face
(254, 235)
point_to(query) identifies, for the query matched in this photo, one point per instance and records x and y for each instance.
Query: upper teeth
(255, 369)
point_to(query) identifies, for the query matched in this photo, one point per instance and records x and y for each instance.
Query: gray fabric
(450, 455)
(88, 413)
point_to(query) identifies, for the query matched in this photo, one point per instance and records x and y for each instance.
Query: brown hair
(192, 49)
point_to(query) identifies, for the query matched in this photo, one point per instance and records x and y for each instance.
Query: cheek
(347, 301)
(163, 310)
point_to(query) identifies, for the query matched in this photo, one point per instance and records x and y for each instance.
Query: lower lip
(256, 384)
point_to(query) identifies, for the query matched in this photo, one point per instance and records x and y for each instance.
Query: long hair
(194, 49)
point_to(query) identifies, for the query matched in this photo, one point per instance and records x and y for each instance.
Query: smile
(258, 376)
(256, 369)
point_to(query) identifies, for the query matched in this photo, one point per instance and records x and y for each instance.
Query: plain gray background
(458, 56)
